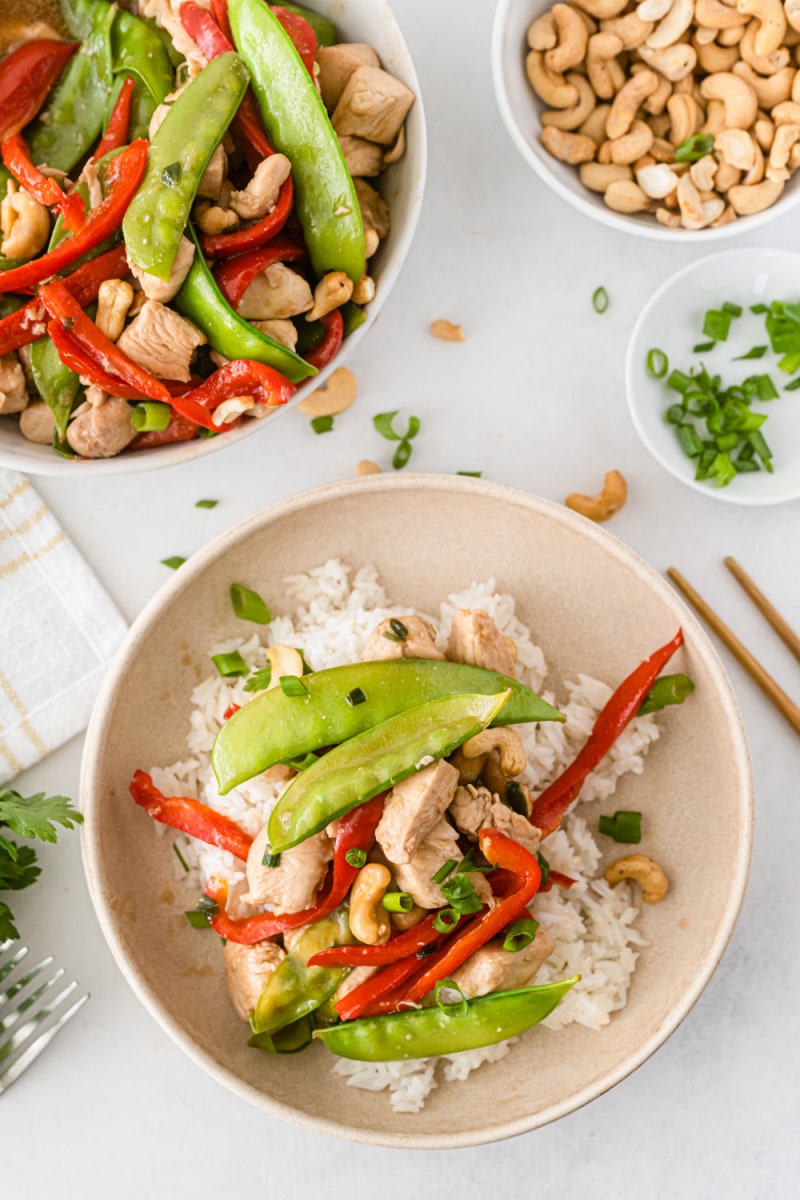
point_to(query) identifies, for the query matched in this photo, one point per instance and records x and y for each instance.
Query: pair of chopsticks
(784, 704)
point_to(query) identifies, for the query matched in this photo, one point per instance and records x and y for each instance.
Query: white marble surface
(533, 398)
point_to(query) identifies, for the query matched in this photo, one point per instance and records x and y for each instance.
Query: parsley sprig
(27, 817)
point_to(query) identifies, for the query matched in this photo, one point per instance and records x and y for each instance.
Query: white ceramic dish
(402, 185)
(593, 606)
(672, 320)
(520, 108)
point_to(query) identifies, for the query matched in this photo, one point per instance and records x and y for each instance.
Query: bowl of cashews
(665, 118)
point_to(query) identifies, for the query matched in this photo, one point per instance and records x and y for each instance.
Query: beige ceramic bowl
(594, 607)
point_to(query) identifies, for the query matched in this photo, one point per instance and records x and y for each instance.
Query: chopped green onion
(322, 424)
(520, 934)
(173, 563)
(230, 664)
(703, 347)
(759, 444)
(202, 432)
(600, 300)
(444, 871)
(383, 422)
(356, 857)
(171, 175)
(679, 382)
(248, 605)
(451, 1008)
(758, 309)
(735, 310)
(446, 920)
(180, 857)
(717, 325)
(207, 905)
(292, 685)
(398, 902)
(657, 363)
(727, 441)
(259, 680)
(468, 864)
(723, 469)
(397, 631)
(622, 827)
(198, 920)
(401, 455)
(544, 867)
(460, 891)
(355, 697)
(756, 352)
(206, 503)
(515, 798)
(471, 474)
(668, 689)
(149, 416)
(692, 149)
(690, 440)
(270, 859)
(793, 386)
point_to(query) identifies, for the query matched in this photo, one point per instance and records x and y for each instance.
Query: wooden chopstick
(785, 706)
(778, 623)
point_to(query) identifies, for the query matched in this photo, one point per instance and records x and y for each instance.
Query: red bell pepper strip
(235, 275)
(180, 429)
(334, 332)
(230, 710)
(25, 325)
(356, 832)
(400, 947)
(302, 36)
(563, 881)
(26, 76)
(549, 808)
(74, 355)
(380, 993)
(190, 816)
(65, 309)
(224, 245)
(119, 122)
(242, 377)
(43, 188)
(506, 853)
(124, 175)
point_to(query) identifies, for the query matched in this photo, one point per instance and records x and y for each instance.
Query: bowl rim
(621, 222)
(160, 457)
(632, 370)
(183, 580)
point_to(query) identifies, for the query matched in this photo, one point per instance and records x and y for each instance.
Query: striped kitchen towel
(58, 630)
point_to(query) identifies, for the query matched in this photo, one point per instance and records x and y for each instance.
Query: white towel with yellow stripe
(58, 630)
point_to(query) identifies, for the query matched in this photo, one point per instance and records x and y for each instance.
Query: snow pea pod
(75, 115)
(179, 154)
(296, 989)
(373, 761)
(345, 701)
(428, 1032)
(298, 125)
(201, 302)
(137, 49)
(56, 383)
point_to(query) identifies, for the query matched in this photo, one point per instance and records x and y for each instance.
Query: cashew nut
(792, 12)
(572, 37)
(771, 90)
(284, 660)
(609, 501)
(369, 920)
(736, 147)
(212, 219)
(715, 118)
(605, 73)
(656, 181)
(631, 29)
(739, 98)
(598, 176)
(625, 197)
(542, 33)
(702, 173)
(726, 177)
(601, 10)
(576, 114)
(336, 395)
(632, 145)
(401, 921)
(717, 15)
(732, 36)
(367, 467)
(670, 219)
(333, 290)
(786, 137)
(595, 124)
(446, 331)
(552, 89)
(113, 302)
(764, 131)
(754, 199)
(786, 113)
(261, 194)
(673, 25)
(653, 10)
(25, 224)
(673, 62)
(703, 35)
(568, 147)
(232, 408)
(728, 216)
(504, 744)
(364, 291)
(644, 871)
(684, 113)
(763, 64)
(627, 101)
(714, 58)
(772, 23)
(657, 103)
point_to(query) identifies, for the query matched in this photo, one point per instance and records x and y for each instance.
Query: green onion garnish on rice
(230, 665)
(520, 934)
(248, 605)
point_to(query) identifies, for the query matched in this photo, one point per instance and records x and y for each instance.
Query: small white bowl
(402, 186)
(520, 109)
(672, 321)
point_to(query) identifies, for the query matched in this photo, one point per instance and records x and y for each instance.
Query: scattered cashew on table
(602, 506)
(625, 84)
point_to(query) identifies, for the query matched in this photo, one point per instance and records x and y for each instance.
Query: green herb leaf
(174, 562)
(37, 816)
(8, 930)
(259, 680)
(322, 424)
(198, 919)
(248, 605)
(20, 871)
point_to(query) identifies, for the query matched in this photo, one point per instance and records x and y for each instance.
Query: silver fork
(35, 1002)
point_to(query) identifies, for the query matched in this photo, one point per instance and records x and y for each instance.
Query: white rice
(334, 609)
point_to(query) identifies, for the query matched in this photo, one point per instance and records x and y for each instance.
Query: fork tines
(35, 1003)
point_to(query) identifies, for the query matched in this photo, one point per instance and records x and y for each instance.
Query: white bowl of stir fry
(379, 861)
(187, 249)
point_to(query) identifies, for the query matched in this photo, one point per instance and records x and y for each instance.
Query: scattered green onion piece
(457, 1008)
(401, 455)
(207, 905)
(270, 859)
(231, 664)
(793, 386)
(675, 414)
(759, 444)
(149, 416)
(717, 324)
(397, 631)
(727, 441)
(668, 689)
(460, 892)
(259, 680)
(356, 857)
(744, 465)
(600, 300)
(171, 175)
(471, 474)
(202, 432)
(446, 920)
(735, 310)
(703, 347)
(206, 503)
(628, 827)
(723, 469)
(322, 424)
(544, 867)
(515, 798)
(657, 363)
(355, 697)
(756, 352)
(520, 934)
(679, 382)
(383, 422)
(766, 388)
(180, 857)
(758, 309)
(292, 685)
(690, 440)
(444, 871)
(398, 902)
(692, 149)
(198, 920)
(468, 865)
(248, 605)
(174, 562)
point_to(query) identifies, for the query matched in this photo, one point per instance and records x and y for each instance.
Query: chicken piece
(13, 393)
(414, 876)
(280, 330)
(161, 341)
(261, 194)
(293, 885)
(291, 937)
(277, 292)
(356, 977)
(101, 430)
(166, 14)
(493, 969)
(414, 807)
(362, 157)
(248, 969)
(374, 213)
(373, 105)
(470, 809)
(37, 423)
(420, 643)
(337, 64)
(210, 184)
(475, 639)
(514, 825)
(163, 290)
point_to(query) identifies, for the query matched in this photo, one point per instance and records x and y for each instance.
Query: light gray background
(533, 398)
